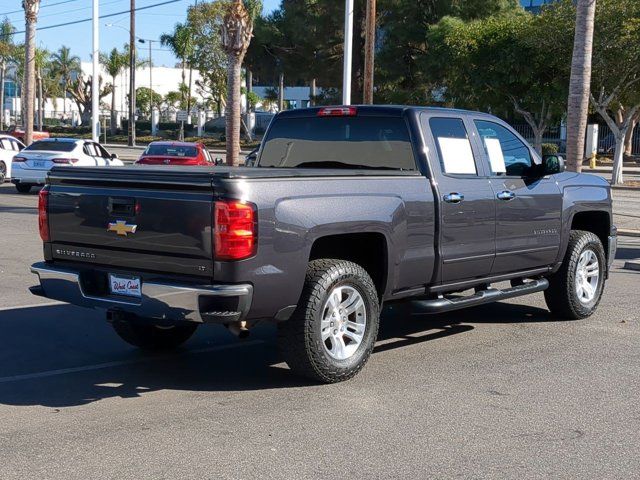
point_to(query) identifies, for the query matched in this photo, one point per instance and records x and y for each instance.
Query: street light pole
(132, 75)
(95, 80)
(348, 46)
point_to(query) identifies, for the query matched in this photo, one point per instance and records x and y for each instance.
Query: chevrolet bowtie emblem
(121, 227)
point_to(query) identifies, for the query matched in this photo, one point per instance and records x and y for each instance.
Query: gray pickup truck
(342, 210)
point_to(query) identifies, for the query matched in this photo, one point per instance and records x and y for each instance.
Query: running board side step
(443, 304)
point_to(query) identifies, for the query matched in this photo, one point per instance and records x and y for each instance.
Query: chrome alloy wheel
(344, 321)
(587, 276)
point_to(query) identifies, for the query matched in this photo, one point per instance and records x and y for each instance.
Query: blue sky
(150, 24)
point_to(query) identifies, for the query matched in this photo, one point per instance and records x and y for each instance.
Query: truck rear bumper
(163, 301)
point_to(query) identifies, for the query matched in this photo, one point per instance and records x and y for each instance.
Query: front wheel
(154, 337)
(3, 172)
(576, 289)
(330, 336)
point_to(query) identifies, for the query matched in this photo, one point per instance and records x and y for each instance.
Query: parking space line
(120, 363)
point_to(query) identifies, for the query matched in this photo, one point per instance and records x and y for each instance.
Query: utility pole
(348, 47)
(369, 51)
(144, 40)
(132, 74)
(95, 80)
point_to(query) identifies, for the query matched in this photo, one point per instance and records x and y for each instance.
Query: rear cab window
(453, 145)
(372, 142)
(172, 150)
(51, 146)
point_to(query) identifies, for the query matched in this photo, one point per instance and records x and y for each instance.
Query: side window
(101, 151)
(207, 155)
(506, 153)
(5, 144)
(17, 146)
(89, 149)
(454, 147)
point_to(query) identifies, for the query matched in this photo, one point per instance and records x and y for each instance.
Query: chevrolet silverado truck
(344, 210)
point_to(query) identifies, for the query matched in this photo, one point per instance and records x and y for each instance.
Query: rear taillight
(43, 214)
(19, 159)
(65, 161)
(235, 235)
(338, 112)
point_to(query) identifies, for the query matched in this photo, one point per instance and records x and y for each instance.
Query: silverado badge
(121, 227)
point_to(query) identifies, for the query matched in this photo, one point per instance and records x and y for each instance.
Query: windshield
(338, 142)
(51, 146)
(172, 150)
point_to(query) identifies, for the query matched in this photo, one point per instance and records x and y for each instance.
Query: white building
(162, 80)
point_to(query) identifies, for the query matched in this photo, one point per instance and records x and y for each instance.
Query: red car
(176, 153)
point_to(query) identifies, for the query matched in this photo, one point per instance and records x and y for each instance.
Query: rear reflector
(43, 214)
(234, 230)
(338, 112)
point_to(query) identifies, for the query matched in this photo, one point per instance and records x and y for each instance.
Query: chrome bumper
(165, 301)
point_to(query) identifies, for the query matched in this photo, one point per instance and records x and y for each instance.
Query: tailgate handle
(122, 206)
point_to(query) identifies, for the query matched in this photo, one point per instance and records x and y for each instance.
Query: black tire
(22, 188)
(3, 172)
(561, 296)
(300, 338)
(154, 337)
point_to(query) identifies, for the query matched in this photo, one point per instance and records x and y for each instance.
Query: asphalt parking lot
(500, 391)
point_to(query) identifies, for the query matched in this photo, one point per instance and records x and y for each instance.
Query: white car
(31, 166)
(9, 147)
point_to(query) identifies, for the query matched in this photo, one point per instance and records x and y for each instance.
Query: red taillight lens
(19, 159)
(43, 214)
(338, 112)
(234, 230)
(65, 161)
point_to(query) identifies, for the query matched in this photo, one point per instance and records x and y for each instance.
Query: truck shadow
(62, 356)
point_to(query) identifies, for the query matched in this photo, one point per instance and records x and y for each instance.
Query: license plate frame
(39, 164)
(125, 285)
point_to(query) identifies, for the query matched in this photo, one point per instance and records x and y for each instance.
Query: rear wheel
(23, 188)
(575, 290)
(331, 334)
(154, 337)
(3, 172)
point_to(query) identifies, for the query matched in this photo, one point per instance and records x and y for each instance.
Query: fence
(553, 134)
(607, 142)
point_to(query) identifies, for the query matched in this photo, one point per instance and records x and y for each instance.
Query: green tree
(145, 97)
(181, 44)
(114, 63)
(615, 82)
(515, 62)
(66, 66)
(7, 48)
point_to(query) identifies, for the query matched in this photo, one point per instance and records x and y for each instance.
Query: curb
(624, 187)
(627, 232)
(632, 265)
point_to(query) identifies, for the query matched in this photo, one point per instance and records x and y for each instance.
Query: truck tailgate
(104, 218)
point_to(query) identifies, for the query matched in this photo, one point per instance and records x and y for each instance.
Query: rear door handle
(453, 197)
(506, 195)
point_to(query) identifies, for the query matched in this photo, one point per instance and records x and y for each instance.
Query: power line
(41, 6)
(102, 16)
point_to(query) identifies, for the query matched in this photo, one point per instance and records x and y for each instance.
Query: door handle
(506, 195)
(453, 197)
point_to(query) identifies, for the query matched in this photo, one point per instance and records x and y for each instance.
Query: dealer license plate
(124, 285)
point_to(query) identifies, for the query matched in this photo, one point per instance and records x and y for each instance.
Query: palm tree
(6, 49)
(65, 65)
(236, 29)
(31, 9)
(181, 44)
(580, 83)
(114, 63)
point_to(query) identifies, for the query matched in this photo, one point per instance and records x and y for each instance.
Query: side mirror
(552, 164)
(114, 156)
(218, 161)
